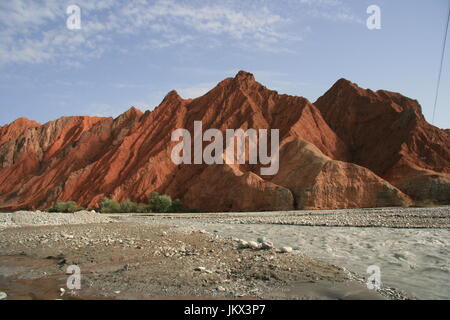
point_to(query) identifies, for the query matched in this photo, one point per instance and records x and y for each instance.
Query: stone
(243, 244)
(286, 250)
(267, 245)
(254, 245)
(201, 269)
(261, 239)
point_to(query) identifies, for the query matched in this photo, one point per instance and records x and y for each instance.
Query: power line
(442, 63)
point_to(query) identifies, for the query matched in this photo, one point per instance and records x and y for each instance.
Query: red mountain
(387, 133)
(352, 148)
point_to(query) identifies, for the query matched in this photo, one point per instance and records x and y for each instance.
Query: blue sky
(134, 52)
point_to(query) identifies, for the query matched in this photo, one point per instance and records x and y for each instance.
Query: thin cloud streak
(36, 33)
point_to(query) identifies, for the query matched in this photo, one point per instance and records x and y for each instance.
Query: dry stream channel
(410, 245)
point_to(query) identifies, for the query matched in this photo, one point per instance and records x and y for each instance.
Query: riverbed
(414, 260)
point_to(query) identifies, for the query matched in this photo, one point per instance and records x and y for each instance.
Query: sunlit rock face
(351, 148)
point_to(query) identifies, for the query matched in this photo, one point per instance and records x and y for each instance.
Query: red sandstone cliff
(387, 133)
(15, 129)
(352, 148)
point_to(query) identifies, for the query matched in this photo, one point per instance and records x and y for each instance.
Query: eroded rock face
(319, 182)
(230, 189)
(15, 129)
(387, 133)
(349, 149)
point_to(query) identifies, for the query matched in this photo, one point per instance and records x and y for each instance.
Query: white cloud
(35, 31)
(333, 10)
(340, 15)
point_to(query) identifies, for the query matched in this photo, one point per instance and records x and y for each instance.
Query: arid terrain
(352, 148)
(151, 256)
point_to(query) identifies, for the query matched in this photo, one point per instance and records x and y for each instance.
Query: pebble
(3, 295)
(243, 244)
(261, 239)
(286, 250)
(201, 269)
(267, 245)
(254, 245)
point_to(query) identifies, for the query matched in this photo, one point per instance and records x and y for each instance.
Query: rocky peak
(16, 128)
(172, 96)
(132, 113)
(346, 87)
(244, 76)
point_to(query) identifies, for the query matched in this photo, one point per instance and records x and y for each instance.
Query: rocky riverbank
(132, 260)
(395, 217)
(410, 245)
(38, 218)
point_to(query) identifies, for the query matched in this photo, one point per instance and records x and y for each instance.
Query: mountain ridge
(337, 138)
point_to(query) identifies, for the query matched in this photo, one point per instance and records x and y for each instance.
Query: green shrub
(108, 205)
(143, 208)
(65, 207)
(129, 207)
(160, 203)
(177, 206)
(157, 203)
